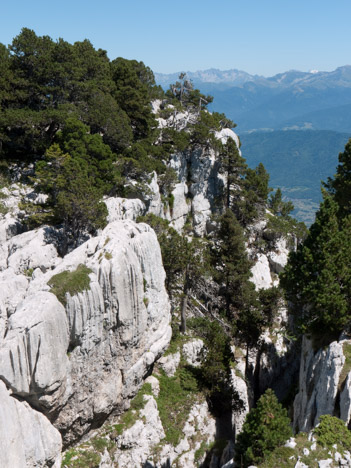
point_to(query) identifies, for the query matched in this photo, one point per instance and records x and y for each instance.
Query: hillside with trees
(142, 316)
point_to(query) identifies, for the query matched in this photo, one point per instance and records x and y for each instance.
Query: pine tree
(317, 278)
(278, 206)
(266, 427)
(340, 185)
(233, 166)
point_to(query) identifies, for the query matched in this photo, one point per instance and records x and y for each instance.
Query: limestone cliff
(79, 362)
(68, 361)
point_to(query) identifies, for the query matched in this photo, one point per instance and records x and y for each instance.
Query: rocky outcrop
(124, 208)
(78, 363)
(323, 384)
(27, 439)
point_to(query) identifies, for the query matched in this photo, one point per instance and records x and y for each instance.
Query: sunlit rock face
(78, 363)
(324, 384)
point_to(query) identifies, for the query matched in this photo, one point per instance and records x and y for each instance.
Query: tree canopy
(317, 278)
(266, 427)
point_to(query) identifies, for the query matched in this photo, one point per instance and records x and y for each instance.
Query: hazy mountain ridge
(234, 77)
(283, 100)
(269, 111)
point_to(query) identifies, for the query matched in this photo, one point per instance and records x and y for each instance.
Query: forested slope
(128, 214)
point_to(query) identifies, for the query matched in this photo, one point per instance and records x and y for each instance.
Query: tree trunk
(184, 305)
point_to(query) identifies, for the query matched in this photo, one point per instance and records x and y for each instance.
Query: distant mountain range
(296, 123)
(294, 99)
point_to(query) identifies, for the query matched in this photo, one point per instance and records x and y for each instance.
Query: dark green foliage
(248, 311)
(234, 168)
(255, 190)
(340, 185)
(233, 273)
(270, 300)
(71, 282)
(279, 226)
(203, 131)
(91, 153)
(331, 431)
(278, 206)
(47, 81)
(266, 427)
(184, 260)
(74, 188)
(174, 140)
(317, 278)
(188, 97)
(216, 366)
(134, 85)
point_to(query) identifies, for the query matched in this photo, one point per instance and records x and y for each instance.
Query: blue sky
(258, 36)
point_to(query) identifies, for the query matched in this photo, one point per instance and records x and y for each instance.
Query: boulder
(124, 208)
(33, 360)
(318, 383)
(27, 439)
(261, 274)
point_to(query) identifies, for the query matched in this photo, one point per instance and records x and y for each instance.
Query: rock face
(27, 439)
(321, 384)
(77, 364)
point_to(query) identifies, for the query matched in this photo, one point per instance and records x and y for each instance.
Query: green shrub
(71, 282)
(266, 427)
(279, 226)
(332, 430)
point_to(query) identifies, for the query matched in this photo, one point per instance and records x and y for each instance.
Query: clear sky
(262, 37)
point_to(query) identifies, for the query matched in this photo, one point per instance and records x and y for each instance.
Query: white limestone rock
(226, 133)
(124, 208)
(199, 187)
(13, 289)
(9, 227)
(279, 257)
(86, 361)
(153, 199)
(326, 463)
(170, 363)
(345, 400)
(300, 464)
(27, 439)
(117, 328)
(135, 444)
(239, 385)
(193, 352)
(33, 360)
(181, 206)
(32, 250)
(318, 383)
(155, 385)
(261, 274)
(206, 185)
(291, 443)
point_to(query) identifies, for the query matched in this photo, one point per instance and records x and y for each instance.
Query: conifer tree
(266, 427)
(278, 206)
(233, 166)
(317, 278)
(340, 185)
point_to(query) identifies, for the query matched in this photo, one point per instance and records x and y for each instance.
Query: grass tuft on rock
(72, 282)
